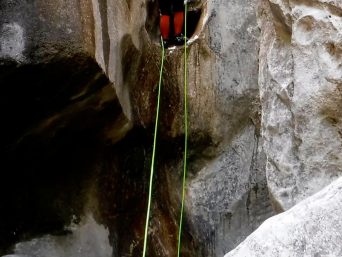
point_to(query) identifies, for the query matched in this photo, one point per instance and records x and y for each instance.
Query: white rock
(311, 228)
(88, 239)
(15, 255)
(300, 86)
(12, 44)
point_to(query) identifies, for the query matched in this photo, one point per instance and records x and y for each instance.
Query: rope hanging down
(185, 131)
(185, 143)
(154, 152)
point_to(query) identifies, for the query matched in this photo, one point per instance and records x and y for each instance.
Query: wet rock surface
(79, 86)
(228, 198)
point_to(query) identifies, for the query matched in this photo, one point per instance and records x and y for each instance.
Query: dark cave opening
(152, 22)
(54, 151)
(51, 137)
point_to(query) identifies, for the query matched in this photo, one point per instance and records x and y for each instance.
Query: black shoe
(180, 39)
(166, 43)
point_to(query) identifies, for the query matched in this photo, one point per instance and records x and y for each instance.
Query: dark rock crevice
(194, 16)
(53, 117)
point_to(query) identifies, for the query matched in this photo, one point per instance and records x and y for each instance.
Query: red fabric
(165, 26)
(178, 21)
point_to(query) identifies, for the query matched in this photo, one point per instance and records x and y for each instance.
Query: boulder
(310, 228)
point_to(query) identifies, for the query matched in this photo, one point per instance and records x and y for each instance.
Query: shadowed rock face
(58, 111)
(66, 146)
(226, 159)
(54, 118)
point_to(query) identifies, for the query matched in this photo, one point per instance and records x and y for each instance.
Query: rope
(185, 132)
(154, 152)
(185, 143)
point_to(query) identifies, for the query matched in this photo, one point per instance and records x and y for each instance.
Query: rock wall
(299, 231)
(300, 90)
(79, 81)
(300, 84)
(57, 39)
(38, 32)
(228, 197)
(58, 111)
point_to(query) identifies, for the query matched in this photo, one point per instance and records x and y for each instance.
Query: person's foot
(180, 39)
(166, 43)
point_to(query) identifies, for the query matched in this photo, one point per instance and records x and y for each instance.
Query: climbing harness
(185, 143)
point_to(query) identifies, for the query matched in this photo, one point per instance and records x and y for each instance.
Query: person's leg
(165, 11)
(165, 26)
(178, 16)
(178, 22)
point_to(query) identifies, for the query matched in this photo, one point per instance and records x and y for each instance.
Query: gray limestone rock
(41, 31)
(223, 99)
(311, 228)
(87, 239)
(277, 109)
(228, 197)
(300, 90)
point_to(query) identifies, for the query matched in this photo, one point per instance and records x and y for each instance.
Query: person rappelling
(172, 11)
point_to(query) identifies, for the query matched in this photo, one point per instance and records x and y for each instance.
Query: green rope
(154, 153)
(185, 143)
(185, 132)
